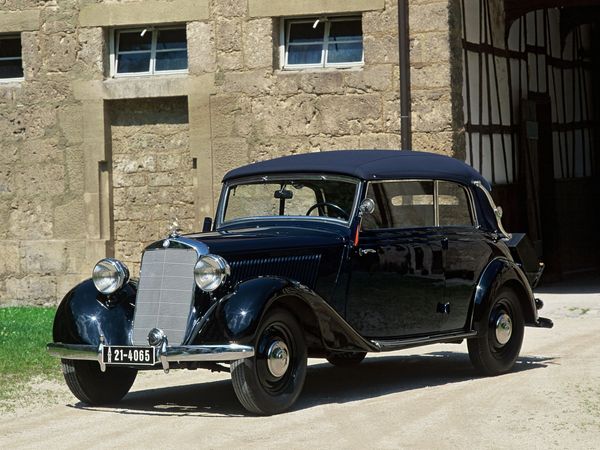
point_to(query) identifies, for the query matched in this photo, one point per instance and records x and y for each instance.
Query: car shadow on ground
(374, 377)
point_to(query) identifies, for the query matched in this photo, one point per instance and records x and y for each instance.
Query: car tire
(346, 359)
(496, 348)
(94, 387)
(270, 382)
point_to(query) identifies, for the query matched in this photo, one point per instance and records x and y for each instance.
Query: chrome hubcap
(503, 328)
(278, 358)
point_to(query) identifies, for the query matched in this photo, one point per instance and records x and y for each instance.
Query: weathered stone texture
(152, 173)
(55, 140)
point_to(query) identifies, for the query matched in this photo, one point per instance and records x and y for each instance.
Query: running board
(398, 344)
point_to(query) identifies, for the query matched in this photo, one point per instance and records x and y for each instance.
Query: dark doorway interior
(532, 109)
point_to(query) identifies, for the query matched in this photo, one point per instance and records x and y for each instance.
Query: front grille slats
(165, 294)
(303, 269)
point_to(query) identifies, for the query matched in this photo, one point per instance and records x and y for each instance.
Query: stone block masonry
(92, 166)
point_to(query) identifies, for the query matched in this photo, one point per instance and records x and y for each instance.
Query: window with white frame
(147, 51)
(11, 60)
(322, 42)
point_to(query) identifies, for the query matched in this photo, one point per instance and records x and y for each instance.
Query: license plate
(144, 356)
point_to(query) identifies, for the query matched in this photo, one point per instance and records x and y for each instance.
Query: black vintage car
(332, 255)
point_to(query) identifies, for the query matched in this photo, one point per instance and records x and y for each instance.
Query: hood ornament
(174, 232)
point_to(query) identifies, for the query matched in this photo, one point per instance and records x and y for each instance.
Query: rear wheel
(271, 381)
(496, 348)
(94, 387)
(346, 359)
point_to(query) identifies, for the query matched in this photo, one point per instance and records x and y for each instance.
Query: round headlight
(210, 272)
(109, 275)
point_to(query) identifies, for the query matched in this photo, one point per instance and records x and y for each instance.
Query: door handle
(365, 251)
(445, 243)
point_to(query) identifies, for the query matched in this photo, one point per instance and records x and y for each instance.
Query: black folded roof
(367, 165)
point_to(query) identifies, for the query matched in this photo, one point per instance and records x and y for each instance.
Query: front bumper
(164, 354)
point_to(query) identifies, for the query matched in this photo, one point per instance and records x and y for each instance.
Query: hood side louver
(303, 269)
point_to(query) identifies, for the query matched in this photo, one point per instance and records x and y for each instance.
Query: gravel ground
(418, 398)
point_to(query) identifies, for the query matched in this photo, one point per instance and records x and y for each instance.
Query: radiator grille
(165, 294)
(303, 269)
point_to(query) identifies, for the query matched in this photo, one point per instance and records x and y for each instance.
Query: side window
(11, 61)
(400, 204)
(454, 205)
(150, 51)
(322, 42)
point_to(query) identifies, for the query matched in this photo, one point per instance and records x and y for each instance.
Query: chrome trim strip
(396, 344)
(496, 209)
(200, 247)
(436, 202)
(165, 354)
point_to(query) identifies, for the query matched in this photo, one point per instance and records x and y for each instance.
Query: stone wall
(42, 231)
(57, 190)
(151, 173)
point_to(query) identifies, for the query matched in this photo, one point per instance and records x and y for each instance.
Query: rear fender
(499, 273)
(238, 315)
(85, 314)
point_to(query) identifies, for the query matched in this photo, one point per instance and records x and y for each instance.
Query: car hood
(310, 255)
(274, 239)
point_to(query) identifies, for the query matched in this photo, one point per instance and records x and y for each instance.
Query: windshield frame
(283, 177)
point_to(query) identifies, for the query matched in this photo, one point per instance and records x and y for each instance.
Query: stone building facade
(93, 165)
(97, 156)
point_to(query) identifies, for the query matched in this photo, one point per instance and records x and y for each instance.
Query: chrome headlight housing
(210, 272)
(109, 275)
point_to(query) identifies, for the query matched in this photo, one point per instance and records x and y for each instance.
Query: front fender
(238, 315)
(498, 273)
(85, 314)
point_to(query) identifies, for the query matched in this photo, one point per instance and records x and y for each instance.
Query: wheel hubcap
(503, 328)
(278, 358)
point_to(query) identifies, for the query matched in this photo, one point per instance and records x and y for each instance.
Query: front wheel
(94, 387)
(271, 381)
(496, 348)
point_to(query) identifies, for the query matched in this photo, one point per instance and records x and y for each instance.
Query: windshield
(322, 196)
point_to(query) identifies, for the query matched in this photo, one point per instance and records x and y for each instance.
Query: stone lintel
(17, 21)
(142, 13)
(279, 8)
(144, 87)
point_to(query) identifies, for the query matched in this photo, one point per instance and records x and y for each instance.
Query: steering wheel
(344, 214)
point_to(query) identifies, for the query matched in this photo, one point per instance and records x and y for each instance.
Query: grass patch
(24, 333)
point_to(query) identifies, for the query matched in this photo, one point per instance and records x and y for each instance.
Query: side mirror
(367, 206)
(207, 225)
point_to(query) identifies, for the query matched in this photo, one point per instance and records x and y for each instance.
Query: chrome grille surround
(165, 293)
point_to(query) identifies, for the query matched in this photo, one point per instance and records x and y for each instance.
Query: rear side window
(401, 204)
(454, 205)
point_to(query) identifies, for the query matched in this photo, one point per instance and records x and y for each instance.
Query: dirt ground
(418, 398)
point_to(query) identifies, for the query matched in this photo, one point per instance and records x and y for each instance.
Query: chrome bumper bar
(164, 354)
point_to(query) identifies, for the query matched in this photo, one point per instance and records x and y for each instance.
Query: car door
(467, 252)
(397, 276)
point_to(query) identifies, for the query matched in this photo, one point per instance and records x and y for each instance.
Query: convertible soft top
(367, 165)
